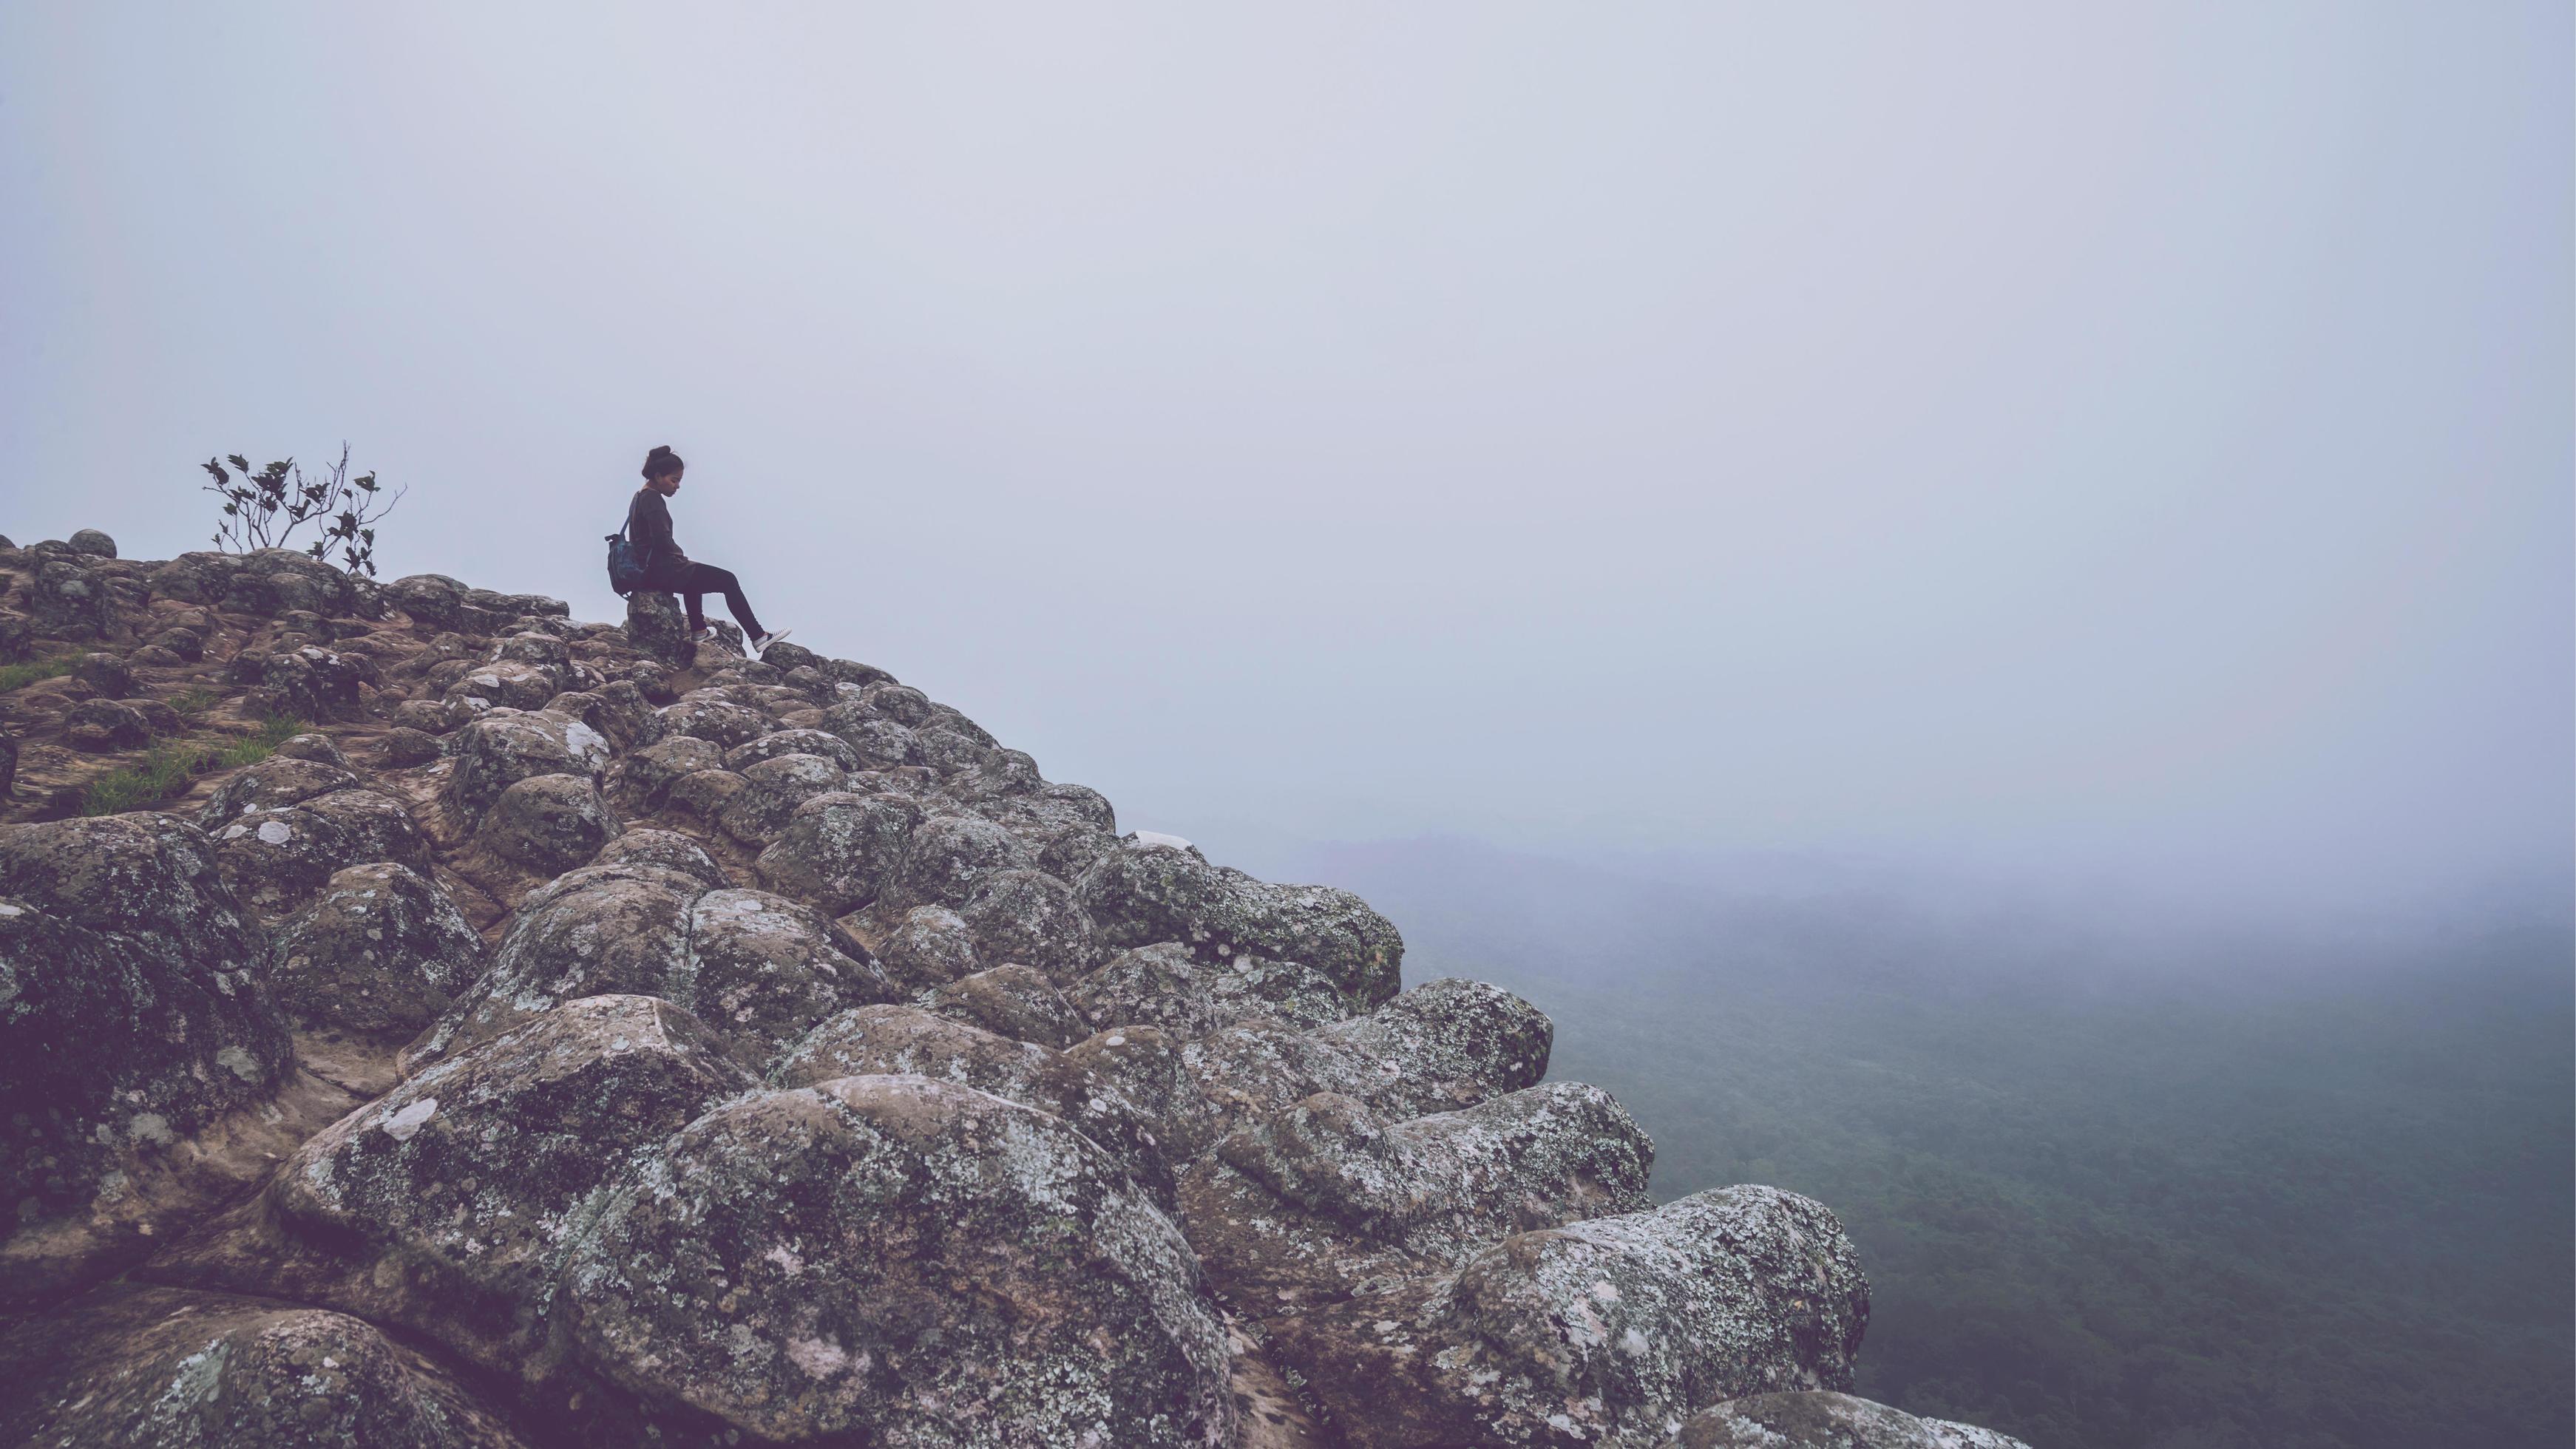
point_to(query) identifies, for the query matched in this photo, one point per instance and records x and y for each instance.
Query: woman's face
(668, 483)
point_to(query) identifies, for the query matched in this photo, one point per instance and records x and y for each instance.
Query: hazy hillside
(2113, 1188)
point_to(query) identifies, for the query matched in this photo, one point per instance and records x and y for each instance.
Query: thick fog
(2126, 446)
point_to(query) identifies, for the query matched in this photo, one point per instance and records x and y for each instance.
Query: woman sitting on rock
(667, 570)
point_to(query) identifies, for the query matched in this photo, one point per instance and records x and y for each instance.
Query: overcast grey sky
(2127, 440)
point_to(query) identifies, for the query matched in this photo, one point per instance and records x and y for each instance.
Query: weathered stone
(770, 746)
(377, 955)
(104, 725)
(929, 947)
(1168, 986)
(1144, 892)
(643, 778)
(404, 748)
(131, 1018)
(948, 856)
(508, 684)
(277, 856)
(1443, 1045)
(1822, 1419)
(105, 673)
(772, 790)
(878, 743)
(446, 1206)
(655, 625)
(135, 1367)
(905, 1262)
(499, 749)
(433, 601)
(724, 722)
(703, 793)
(317, 748)
(1307, 1204)
(188, 644)
(1015, 1001)
(836, 850)
(666, 849)
(852, 672)
(1029, 917)
(1612, 1330)
(764, 969)
(548, 823)
(898, 702)
(91, 541)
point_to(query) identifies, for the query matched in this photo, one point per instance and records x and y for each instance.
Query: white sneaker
(761, 645)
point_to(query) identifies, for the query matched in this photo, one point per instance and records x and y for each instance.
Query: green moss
(18, 676)
(167, 770)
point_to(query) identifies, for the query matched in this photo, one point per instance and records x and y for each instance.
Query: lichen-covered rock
(1443, 1045)
(104, 725)
(378, 955)
(901, 703)
(1609, 1331)
(755, 967)
(136, 1367)
(655, 625)
(643, 778)
(1168, 986)
(105, 673)
(929, 947)
(1306, 1204)
(1822, 1419)
(1026, 916)
(770, 746)
(276, 857)
(131, 1017)
(509, 684)
(433, 601)
(403, 748)
(666, 849)
(703, 794)
(1015, 1001)
(877, 742)
(317, 748)
(72, 599)
(8, 762)
(1144, 892)
(501, 748)
(548, 823)
(274, 581)
(92, 541)
(894, 1260)
(725, 723)
(772, 789)
(950, 751)
(948, 856)
(313, 683)
(836, 850)
(446, 1206)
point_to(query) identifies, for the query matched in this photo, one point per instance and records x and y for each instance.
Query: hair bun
(661, 460)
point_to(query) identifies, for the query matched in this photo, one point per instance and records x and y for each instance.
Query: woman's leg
(708, 579)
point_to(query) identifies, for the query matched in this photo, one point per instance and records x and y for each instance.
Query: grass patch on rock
(18, 676)
(167, 770)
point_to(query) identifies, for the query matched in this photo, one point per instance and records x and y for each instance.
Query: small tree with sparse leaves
(264, 509)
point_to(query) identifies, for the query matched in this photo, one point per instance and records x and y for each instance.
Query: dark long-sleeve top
(648, 528)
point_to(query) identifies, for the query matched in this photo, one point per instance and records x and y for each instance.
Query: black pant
(698, 580)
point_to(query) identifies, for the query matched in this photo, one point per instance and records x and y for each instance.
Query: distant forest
(2110, 1195)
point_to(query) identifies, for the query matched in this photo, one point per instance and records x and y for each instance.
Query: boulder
(836, 850)
(1013, 1001)
(501, 748)
(1168, 986)
(548, 823)
(188, 644)
(772, 789)
(8, 762)
(770, 746)
(757, 968)
(656, 625)
(1145, 892)
(929, 947)
(106, 674)
(1613, 1330)
(1443, 1045)
(901, 703)
(73, 600)
(445, 1207)
(1027, 916)
(1822, 1419)
(91, 541)
(643, 779)
(665, 849)
(274, 581)
(877, 742)
(277, 855)
(404, 748)
(507, 684)
(433, 601)
(132, 1018)
(948, 856)
(851, 672)
(102, 726)
(317, 748)
(725, 723)
(157, 1368)
(900, 1261)
(377, 955)
(1307, 1204)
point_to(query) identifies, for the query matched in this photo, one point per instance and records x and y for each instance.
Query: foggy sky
(2122, 442)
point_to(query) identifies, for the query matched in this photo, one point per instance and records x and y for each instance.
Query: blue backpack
(625, 565)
